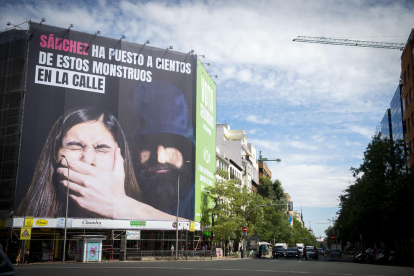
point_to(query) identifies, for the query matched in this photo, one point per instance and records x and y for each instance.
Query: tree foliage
(376, 205)
(230, 205)
(271, 190)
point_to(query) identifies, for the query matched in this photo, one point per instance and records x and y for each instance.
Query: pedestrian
(26, 256)
(19, 257)
(304, 253)
(172, 249)
(241, 248)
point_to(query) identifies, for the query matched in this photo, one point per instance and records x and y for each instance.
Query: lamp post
(178, 204)
(66, 215)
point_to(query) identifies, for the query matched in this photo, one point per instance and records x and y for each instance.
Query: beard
(160, 189)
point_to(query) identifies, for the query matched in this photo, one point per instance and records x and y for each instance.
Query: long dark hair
(42, 198)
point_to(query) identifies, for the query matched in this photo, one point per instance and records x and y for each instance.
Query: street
(239, 267)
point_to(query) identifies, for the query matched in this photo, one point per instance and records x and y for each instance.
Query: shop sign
(60, 223)
(41, 222)
(28, 222)
(133, 235)
(2, 223)
(91, 223)
(192, 226)
(138, 223)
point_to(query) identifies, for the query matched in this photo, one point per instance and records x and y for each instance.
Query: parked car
(292, 252)
(278, 252)
(321, 252)
(310, 251)
(336, 253)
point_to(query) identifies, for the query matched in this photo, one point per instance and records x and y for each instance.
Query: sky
(314, 106)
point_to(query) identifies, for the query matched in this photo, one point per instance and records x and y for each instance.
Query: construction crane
(267, 159)
(347, 42)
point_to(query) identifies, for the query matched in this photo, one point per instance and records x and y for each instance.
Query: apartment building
(237, 156)
(407, 77)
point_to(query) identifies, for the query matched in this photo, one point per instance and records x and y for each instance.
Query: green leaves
(372, 206)
(225, 218)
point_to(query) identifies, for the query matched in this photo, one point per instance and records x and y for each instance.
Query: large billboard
(114, 123)
(206, 142)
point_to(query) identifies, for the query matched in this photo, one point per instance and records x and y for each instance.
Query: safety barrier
(149, 255)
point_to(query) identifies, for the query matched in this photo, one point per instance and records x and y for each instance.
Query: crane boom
(347, 42)
(267, 159)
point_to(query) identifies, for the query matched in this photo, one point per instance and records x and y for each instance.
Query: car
(292, 252)
(336, 253)
(310, 251)
(321, 252)
(278, 252)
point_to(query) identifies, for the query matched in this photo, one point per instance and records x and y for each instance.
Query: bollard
(242, 254)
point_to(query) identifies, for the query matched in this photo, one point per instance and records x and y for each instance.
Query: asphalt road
(245, 267)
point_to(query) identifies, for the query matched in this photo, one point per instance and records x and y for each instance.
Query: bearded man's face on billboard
(158, 174)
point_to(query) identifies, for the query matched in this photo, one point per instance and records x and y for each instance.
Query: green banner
(205, 138)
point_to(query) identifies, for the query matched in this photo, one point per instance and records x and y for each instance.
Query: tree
(271, 190)
(375, 205)
(273, 223)
(226, 210)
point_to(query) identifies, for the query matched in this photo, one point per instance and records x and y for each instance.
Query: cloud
(257, 120)
(312, 185)
(252, 131)
(265, 144)
(318, 138)
(301, 145)
(364, 131)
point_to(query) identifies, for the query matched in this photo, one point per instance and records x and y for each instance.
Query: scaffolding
(13, 60)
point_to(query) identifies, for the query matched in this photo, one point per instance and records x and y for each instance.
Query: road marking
(175, 268)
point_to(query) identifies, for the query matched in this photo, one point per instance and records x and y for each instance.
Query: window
(411, 94)
(403, 104)
(406, 100)
(405, 77)
(408, 124)
(412, 119)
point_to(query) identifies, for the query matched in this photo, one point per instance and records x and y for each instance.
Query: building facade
(264, 170)
(386, 127)
(54, 79)
(232, 144)
(407, 77)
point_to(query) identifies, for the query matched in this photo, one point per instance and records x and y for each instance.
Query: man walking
(304, 253)
(26, 256)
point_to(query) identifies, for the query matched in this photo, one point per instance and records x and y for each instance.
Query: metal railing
(148, 255)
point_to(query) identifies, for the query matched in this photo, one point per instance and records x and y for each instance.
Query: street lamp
(66, 216)
(178, 204)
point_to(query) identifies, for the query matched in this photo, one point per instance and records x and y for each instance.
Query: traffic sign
(25, 233)
(28, 222)
(244, 229)
(333, 237)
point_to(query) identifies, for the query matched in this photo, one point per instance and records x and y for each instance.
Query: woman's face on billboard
(89, 142)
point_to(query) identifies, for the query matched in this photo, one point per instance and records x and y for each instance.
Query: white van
(280, 245)
(300, 246)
